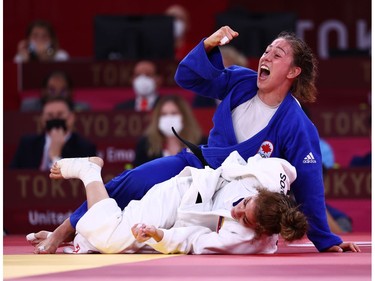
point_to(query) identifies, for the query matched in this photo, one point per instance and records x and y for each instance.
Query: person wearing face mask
(146, 82)
(58, 140)
(181, 28)
(158, 139)
(41, 44)
(56, 84)
(259, 113)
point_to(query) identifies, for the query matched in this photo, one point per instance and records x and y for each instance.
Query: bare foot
(48, 243)
(47, 246)
(35, 238)
(55, 172)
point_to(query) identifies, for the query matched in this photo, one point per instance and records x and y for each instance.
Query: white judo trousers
(189, 227)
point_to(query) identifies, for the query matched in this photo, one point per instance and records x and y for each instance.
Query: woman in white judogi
(199, 211)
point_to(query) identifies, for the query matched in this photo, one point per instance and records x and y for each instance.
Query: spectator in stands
(158, 139)
(361, 161)
(259, 114)
(231, 56)
(181, 28)
(56, 84)
(40, 151)
(146, 81)
(40, 44)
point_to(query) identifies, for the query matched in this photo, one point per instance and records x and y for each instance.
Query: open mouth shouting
(264, 72)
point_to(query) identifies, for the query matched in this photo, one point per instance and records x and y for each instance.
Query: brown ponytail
(276, 213)
(293, 224)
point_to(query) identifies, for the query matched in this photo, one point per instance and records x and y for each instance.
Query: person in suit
(146, 82)
(259, 113)
(40, 151)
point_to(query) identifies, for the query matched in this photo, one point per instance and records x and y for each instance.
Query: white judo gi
(189, 227)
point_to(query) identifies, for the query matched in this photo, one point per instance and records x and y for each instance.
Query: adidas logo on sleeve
(309, 159)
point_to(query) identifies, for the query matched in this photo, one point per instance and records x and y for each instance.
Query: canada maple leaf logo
(266, 149)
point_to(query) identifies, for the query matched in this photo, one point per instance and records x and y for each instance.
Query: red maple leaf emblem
(266, 148)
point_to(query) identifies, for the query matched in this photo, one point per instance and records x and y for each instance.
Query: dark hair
(303, 87)
(47, 26)
(276, 213)
(154, 64)
(68, 92)
(59, 73)
(67, 101)
(191, 130)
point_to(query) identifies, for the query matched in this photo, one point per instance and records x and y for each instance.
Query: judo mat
(296, 261)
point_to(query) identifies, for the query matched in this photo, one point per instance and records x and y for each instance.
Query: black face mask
(56, 123)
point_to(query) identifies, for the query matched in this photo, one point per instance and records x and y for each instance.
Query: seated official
(40, 151)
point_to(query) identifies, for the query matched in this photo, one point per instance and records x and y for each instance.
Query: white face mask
(38, 47)
(166, 122)
(178, 28)
(144, 85)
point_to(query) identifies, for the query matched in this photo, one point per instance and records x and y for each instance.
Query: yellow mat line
(28, 265)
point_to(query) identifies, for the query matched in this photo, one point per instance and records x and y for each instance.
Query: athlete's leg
(134, 184)
(86, 169)
(131, 184)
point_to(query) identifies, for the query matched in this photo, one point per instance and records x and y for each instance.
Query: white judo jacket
(189, 227)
